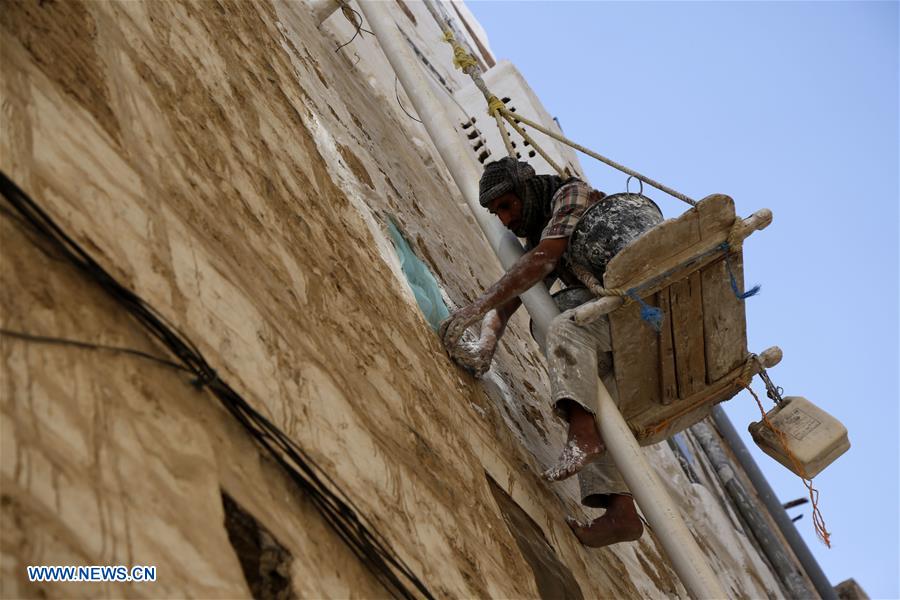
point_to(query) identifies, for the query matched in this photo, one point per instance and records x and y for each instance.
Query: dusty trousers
(576, 356)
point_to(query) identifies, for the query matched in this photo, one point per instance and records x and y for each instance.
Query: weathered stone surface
(225, 163)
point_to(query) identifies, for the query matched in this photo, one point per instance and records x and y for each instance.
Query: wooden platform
(669, 380)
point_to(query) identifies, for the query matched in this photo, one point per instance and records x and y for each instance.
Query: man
(545, 210)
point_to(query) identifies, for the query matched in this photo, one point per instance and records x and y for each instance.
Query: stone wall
(223, 161)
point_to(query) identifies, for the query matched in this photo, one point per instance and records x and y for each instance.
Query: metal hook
(640, 181)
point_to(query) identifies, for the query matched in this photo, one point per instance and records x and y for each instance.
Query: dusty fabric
(501, 177)
(579, 351)
(607, 227)
(535, 191)
(569, 203)
(598, 481)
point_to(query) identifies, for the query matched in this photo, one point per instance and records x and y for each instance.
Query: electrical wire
(30, 337)
(326, 495)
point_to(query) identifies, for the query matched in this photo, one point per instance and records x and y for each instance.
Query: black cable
(356, 22)
(89, 346)
(397, 93)
(334, 505)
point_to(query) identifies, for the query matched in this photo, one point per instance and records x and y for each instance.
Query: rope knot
(495, 105)
(651, 314)
(462, 60)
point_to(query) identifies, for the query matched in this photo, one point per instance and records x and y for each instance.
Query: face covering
(535, 191)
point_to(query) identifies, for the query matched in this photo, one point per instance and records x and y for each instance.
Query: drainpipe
(571, 352)
(661, 512)
(771, 502)
(454, 152)
(792, 580)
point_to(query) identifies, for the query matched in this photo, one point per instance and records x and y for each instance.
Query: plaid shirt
(569, 203)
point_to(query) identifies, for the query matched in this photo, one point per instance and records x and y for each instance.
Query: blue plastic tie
(651, 314)
(734, 286)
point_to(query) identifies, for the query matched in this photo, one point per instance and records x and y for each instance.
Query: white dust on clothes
(572, 459)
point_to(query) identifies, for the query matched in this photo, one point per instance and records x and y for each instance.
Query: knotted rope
(467, 63)
(462, 60)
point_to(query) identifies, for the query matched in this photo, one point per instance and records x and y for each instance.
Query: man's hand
(456, 324)
(476, 357)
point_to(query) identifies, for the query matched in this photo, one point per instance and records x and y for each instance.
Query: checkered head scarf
(536, 192)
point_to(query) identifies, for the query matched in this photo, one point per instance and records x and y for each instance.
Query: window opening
(265, 562)
(553, 578)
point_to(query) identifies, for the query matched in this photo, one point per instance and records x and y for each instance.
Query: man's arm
(528, 270)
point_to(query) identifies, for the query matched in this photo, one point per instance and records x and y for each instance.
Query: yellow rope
(461, 59)
(512, 122)
(495, 105)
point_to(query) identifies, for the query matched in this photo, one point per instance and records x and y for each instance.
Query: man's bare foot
(621, 523)
(583, 447)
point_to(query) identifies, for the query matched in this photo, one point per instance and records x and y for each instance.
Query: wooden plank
(724, 318)
(659, 422)
(668, 381)
(636, 359)
(672, 242)
(716, 214)
(687, 333)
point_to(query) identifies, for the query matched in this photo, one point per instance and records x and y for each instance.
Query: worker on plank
(546, 211)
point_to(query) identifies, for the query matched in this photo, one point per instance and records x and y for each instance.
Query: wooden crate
(669, 380)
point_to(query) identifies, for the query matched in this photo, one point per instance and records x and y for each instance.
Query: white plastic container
(814, 437)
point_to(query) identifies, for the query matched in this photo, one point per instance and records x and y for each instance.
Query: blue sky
(787, 105)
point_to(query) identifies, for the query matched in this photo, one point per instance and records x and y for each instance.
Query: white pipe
(455, 153)
(683, 551)
(662, 514)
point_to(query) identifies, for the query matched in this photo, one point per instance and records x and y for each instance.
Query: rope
(818, 520)
(495, 105)
(462, 60)
(469, 65)
(593, 284)
(651, 314)
(600, 157)
(512, 122)
(504, 134)
(730, 246)
(30, 337)
(733, 280)
(338, 510)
